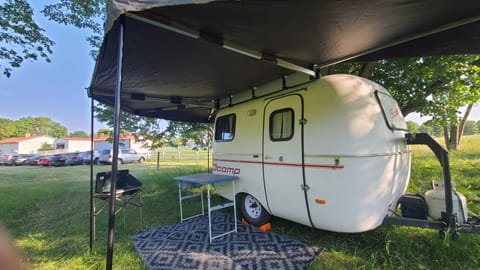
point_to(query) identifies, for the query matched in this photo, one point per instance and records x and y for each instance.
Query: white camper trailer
(330, 153)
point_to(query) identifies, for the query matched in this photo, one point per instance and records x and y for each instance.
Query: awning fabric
(181, 57)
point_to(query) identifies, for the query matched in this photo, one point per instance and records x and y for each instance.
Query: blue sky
(57, 89)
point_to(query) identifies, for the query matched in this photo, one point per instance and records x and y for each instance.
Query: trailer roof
(181, 57)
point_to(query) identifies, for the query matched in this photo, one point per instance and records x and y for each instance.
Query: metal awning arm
(229, 45)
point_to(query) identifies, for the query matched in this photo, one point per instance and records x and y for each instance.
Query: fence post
(158, 160)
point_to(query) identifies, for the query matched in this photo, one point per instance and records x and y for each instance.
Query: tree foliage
(83, 14)
(79, 134)
(32, 125)
(20, 36)
(156, 133)
(8, 128)
(146, 130)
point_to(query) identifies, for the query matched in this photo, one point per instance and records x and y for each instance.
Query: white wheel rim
(252, 206)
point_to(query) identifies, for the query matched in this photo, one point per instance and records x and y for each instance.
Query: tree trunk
(453, 143)
(446, 137)
(367, 69)
(461, 125)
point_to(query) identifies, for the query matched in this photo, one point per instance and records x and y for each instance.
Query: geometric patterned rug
(186, 246)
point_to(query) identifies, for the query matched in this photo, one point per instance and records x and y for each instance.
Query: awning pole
(92, 237)
(116, 143)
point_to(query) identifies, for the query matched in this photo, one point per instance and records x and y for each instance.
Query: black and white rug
(186, 246)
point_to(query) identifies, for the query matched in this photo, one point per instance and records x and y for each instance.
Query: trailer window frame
(391, 114)
(271, 129)
(225, 128)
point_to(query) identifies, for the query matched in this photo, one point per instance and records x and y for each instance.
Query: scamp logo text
(228, 170)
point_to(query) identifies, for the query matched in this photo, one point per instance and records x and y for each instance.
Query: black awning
(179, 60)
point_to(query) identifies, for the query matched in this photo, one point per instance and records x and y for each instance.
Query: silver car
(124, 156)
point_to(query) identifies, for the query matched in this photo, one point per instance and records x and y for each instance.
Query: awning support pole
(92, 237)
(116, 143)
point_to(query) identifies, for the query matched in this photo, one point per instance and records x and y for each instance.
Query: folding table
(197, 180)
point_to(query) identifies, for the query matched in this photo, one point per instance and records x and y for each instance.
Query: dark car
(74, 159)
(33, 160)
(58, 160)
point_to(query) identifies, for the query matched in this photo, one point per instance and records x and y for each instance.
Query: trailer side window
(281, 125)
(225, 128)
(391, 112)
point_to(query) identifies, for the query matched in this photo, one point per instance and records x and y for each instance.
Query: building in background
(28, 144)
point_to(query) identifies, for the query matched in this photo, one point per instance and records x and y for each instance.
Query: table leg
(209, 215)
(180, 200)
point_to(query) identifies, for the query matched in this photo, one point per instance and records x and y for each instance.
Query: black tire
(141, 160)
(253, 211)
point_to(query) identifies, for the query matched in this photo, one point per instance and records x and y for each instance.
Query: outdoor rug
(186, 246)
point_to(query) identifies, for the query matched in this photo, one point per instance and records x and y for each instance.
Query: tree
(79, 134)
(20, 37)
(85, 14)
(7, 129)
(413, 127)
(200, 133)
(46, 147)
(425, 129)
(40, 126)
(471, 128)
(437, 130)
(146, 130)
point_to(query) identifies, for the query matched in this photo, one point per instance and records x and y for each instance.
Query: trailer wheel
(253, 211)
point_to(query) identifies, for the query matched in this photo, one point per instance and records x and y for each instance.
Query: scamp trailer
(329, 153)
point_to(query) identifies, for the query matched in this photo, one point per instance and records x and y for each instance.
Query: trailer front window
(225, 128)
(281, 125)
(391, 111)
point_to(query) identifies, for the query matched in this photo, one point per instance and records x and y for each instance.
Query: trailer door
(282, 159)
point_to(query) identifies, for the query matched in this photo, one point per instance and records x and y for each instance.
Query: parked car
(17, 160)
(5, 158)
(33, 160)
(87, 154)
(74, 159)
(58, 160)
(44, 160)
(124, 156)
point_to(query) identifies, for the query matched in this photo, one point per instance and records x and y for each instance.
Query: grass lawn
(46, 211)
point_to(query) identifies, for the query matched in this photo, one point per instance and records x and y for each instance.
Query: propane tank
(436, 202)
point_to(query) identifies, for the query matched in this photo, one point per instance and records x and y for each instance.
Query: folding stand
(129, 193)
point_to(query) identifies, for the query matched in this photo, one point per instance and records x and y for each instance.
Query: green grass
(46, 211)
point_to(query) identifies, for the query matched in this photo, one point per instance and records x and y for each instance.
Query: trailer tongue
(450, 220)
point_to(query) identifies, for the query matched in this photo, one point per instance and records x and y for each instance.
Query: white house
(24, 145)
(72, 144)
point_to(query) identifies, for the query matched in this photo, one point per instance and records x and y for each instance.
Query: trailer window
(225, 128)
(391, 112)
(281, 125)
